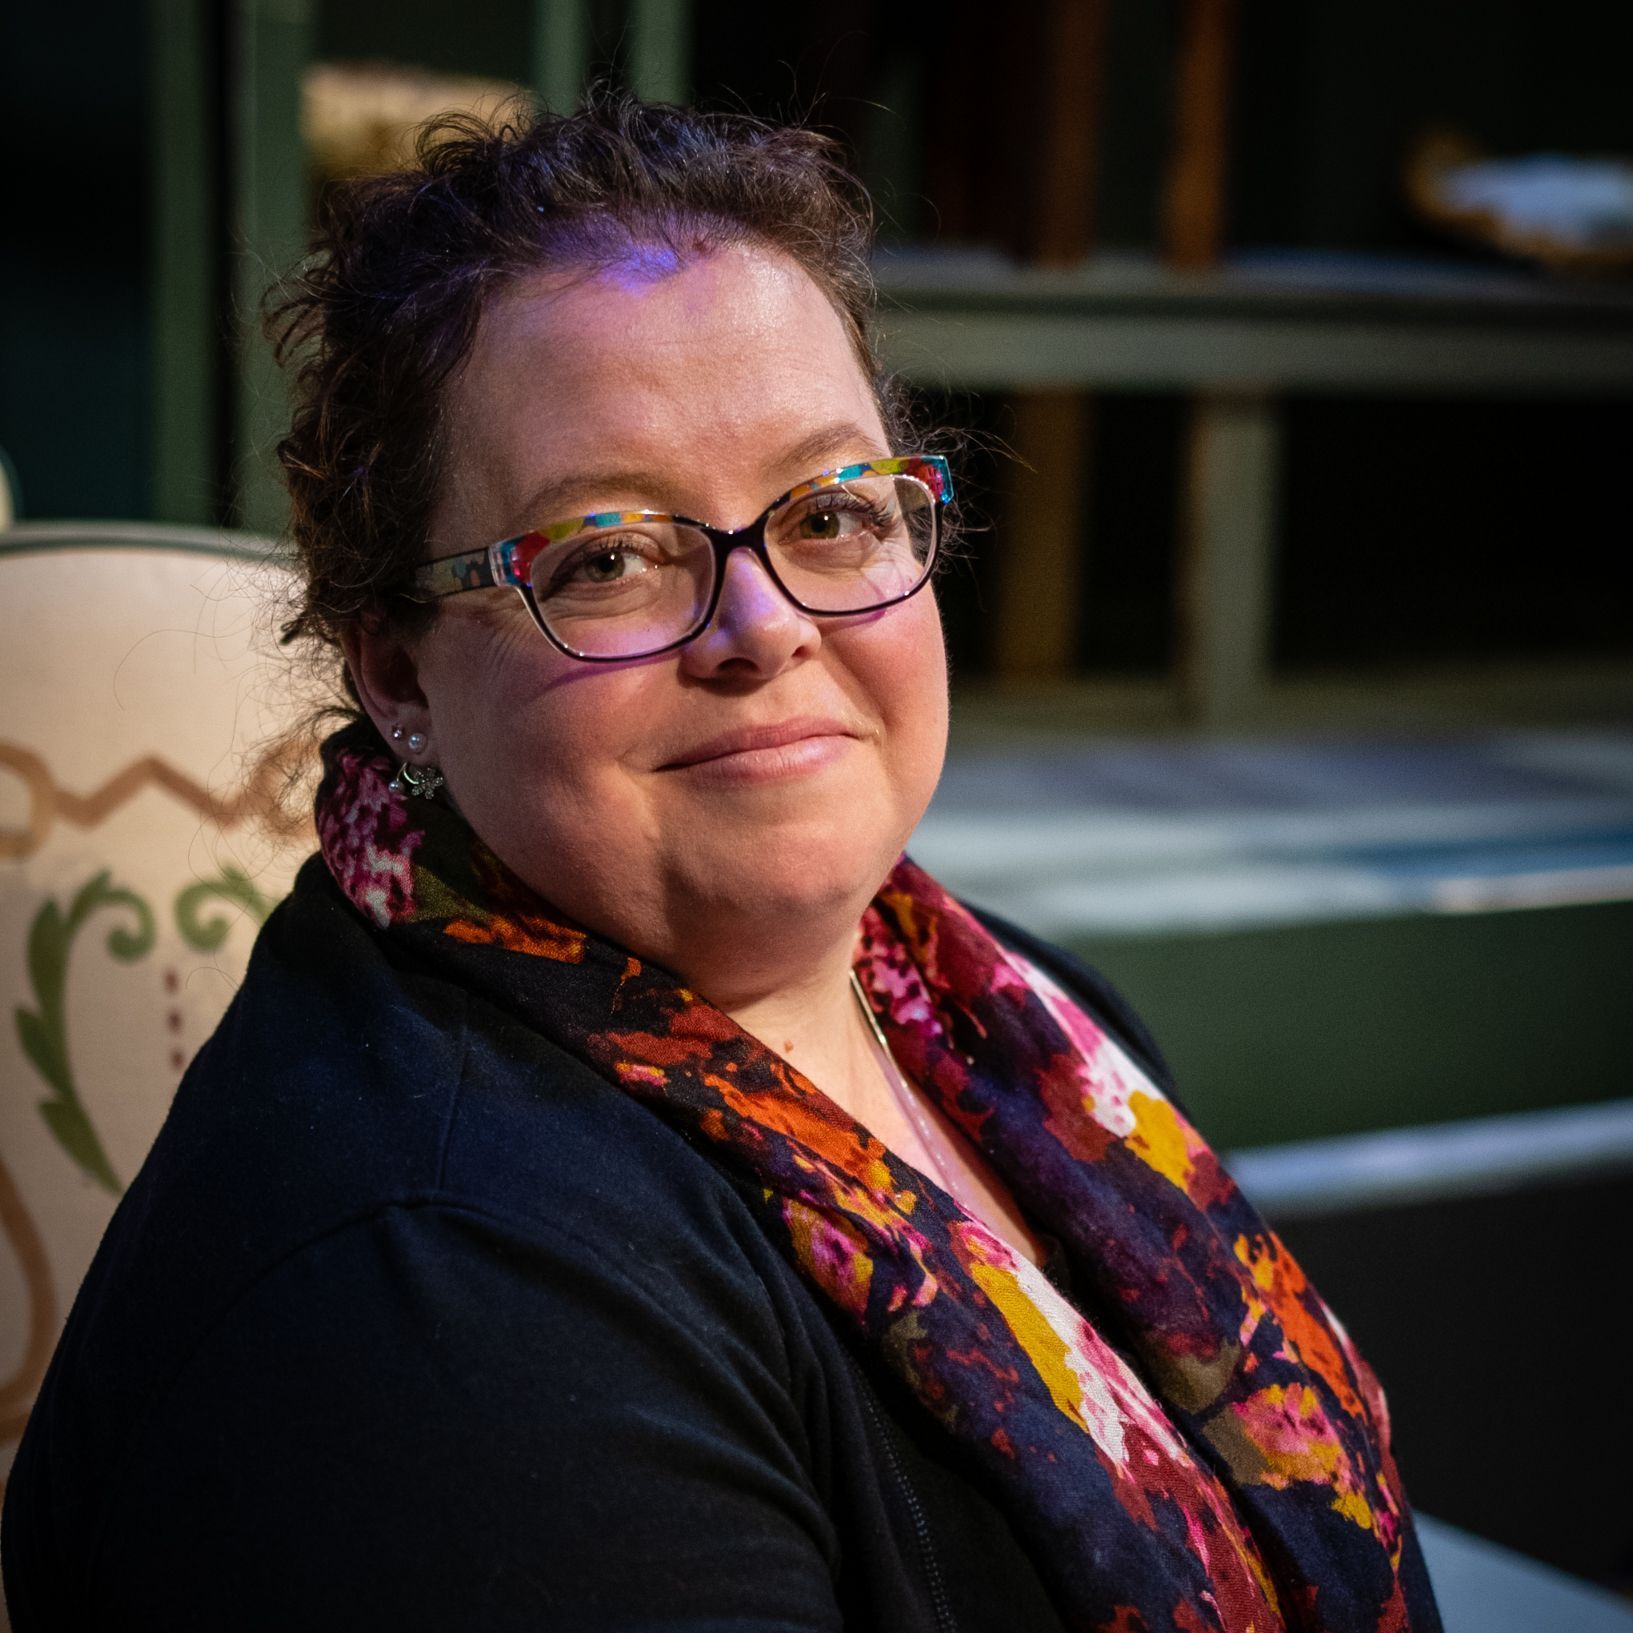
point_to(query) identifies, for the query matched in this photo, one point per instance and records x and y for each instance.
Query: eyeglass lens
(633, 589)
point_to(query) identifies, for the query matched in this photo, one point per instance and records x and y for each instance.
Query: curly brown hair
(386, 307)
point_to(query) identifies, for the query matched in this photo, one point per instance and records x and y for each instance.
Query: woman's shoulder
(362, 1080)
(358, 1123)
(446, 1406)
(389, 1232)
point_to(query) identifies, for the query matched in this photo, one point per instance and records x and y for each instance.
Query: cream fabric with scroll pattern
(145, 755)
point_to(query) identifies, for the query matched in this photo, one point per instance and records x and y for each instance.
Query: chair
(147, 780)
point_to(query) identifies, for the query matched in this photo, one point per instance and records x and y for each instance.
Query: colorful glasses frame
(510, 561)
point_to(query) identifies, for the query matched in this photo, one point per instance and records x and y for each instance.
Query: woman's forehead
(734, 358)
(652, 308)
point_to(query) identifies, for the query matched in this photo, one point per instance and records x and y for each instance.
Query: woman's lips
(765, 753)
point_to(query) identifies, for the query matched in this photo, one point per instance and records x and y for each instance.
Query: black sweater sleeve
(435, 1418)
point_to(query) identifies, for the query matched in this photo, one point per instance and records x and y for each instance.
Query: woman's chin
(795, 877)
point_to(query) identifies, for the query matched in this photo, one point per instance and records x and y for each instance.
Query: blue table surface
(1483, 1588)
(1077, 836)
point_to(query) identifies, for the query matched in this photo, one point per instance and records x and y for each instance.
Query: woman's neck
(817, 1025)
(812, 1021)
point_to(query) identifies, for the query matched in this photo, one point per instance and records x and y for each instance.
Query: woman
(624, 1192)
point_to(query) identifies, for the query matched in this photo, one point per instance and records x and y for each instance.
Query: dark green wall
(490, 39)
(1302, 1031)
(74, 295)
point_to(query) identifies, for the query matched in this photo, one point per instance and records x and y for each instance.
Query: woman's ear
(382, 667)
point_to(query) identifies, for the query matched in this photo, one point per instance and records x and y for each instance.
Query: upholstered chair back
(151, 814)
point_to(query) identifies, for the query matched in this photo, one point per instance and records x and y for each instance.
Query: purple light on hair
(641, 265)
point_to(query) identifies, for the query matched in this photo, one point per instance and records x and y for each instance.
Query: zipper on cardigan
(915, 1509)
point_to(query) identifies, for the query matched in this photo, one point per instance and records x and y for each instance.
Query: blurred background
(1292, 635)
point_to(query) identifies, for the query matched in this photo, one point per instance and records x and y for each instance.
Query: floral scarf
(1195, 1445)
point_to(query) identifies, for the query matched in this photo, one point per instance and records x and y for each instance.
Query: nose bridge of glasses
(752, 538)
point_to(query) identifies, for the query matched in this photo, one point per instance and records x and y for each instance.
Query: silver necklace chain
(930, 1137)
(944, 1169)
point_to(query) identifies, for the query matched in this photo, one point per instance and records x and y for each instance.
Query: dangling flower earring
(412, 779)
(421, 780)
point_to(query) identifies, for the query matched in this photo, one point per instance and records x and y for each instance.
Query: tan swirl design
(17, 1392)
(259, 799)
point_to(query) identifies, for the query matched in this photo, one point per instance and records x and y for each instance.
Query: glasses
(624, 584)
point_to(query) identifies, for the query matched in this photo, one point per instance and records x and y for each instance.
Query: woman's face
(767, 774)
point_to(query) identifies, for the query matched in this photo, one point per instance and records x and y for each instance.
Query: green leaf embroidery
(231, 885)
(48, 958)
(44, 1048)
(43, 1030)
(67, 1120)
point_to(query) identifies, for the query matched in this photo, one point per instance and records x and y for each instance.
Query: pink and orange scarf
(1194, 1444)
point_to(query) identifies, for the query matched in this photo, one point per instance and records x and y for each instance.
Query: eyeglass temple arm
(448, 575)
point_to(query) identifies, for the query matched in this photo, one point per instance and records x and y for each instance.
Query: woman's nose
(756, 629)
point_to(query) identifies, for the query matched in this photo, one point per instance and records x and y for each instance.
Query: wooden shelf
(1271, 323)
(1237, 340)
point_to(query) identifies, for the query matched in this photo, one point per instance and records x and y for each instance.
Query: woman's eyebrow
(561, 497)
(839, 441)
(564, 496)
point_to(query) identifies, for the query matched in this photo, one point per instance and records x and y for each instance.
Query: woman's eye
(607, 565)
(828, 524)
(603, 562)
(841, 518)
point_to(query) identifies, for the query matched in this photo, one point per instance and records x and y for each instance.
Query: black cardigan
(412, 1320)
